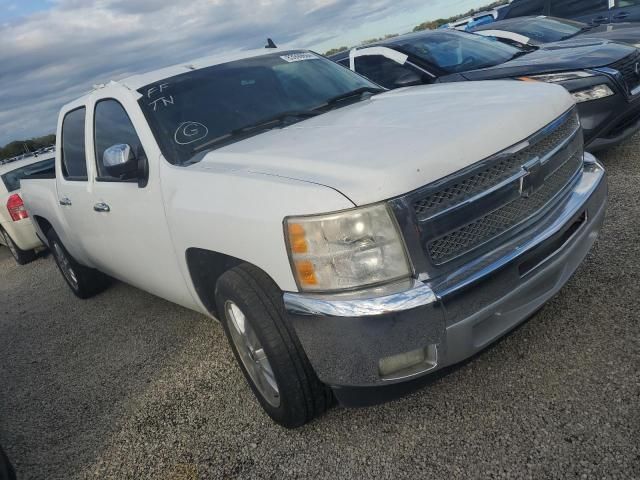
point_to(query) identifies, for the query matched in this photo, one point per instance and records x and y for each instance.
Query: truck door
(129, 236)
(626, 11)
(73, 187)
(594, 12)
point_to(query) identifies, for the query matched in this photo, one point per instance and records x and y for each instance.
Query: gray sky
(54, 50)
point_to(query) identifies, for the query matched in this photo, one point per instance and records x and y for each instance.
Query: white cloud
(53, 56)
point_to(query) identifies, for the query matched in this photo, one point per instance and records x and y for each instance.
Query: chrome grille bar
(503, 219)
(503, 167)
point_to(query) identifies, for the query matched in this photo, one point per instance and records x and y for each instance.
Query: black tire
(6, 469)
(83, 281)
(22, 257)
(302, 396)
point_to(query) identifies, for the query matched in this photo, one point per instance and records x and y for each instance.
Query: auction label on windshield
(299, 57)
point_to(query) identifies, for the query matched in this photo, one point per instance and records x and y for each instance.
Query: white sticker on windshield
(299, 57)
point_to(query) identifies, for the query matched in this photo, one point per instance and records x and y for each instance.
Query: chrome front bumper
(346, 336)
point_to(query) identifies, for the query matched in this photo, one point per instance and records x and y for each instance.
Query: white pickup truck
(352, 241)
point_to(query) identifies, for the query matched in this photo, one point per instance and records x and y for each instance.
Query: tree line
(428, 25)
(18, 147)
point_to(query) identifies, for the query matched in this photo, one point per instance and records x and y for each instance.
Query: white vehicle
(480, 18)
(350, 240)
(16, 230)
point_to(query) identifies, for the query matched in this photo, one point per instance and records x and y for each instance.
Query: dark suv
(602, 76)
(588, 11)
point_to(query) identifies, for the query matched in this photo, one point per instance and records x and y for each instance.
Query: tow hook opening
(540, 256)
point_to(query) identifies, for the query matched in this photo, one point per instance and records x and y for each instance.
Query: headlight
(340, 251)
(559, 77)
(593, 93)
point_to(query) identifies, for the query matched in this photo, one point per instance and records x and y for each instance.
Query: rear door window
(524, 8)
(578, 8)
(626, 11)
(74, 159)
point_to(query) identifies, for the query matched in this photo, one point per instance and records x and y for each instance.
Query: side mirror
(120, 162)
(409, 79)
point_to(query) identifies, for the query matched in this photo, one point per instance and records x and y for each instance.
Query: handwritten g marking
(190, 132)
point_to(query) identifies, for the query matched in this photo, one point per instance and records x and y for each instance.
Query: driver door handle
(65, 202)
(101, 208)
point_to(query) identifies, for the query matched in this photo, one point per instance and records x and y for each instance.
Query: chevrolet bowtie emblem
(533, 178)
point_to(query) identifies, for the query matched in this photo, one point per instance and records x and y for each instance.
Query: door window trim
(390, 53)
(73, 178)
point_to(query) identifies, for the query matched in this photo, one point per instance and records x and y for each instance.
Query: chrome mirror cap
(117, 155)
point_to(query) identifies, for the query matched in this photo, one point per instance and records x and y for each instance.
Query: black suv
(602, 76)
(588, 11)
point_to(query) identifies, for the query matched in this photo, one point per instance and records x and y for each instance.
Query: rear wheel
(22, 257)
(84, 282)
(267, 349)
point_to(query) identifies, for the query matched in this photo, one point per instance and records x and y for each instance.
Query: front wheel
(267, 349)
(84, 282)
(22, 257)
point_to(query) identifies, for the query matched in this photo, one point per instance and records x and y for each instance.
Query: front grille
(629, 67)
(467, 186)
(475, 210)
(498, 222)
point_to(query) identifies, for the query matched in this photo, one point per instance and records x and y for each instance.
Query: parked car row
(533, 32)
(603, 76)
(594, 12)
(352, 239)
(480, 18)
(40, 151)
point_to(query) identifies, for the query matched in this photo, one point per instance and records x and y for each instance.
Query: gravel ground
(129, 386)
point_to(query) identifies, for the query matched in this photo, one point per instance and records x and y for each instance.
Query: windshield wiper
(358, 92)
(278, 120)
(519, 54)
(584, 29)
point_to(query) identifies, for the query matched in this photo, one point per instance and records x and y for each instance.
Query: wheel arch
(205, 268)
(42, 227)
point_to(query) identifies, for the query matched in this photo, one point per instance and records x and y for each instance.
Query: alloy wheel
(252, 354)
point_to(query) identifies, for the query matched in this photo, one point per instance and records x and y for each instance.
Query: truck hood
(575, 54)
(398, 141)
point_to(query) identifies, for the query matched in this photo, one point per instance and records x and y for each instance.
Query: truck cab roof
(134, 82)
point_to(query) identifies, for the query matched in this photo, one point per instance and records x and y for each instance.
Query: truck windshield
(197, 111)
(12, 179)
(456, 52)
